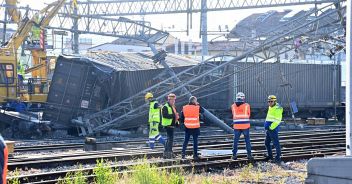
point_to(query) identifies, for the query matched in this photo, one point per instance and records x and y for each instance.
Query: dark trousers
(236, 137)
(170, 139)
(188, 133)
(273, 136)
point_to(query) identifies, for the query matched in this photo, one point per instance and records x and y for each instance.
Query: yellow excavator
(11, 84)
(13, 90)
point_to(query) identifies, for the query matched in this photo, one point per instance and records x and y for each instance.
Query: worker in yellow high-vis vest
(272, 126)
(169, 121)
(154, 121)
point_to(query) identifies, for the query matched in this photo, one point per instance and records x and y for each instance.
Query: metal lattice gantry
(147, 7)
(199, 77)
(121, 27)
(95, 17)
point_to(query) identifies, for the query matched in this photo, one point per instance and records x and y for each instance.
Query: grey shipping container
(310, 86)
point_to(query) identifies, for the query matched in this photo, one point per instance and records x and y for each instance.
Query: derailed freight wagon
(84, 85)
(314, 88)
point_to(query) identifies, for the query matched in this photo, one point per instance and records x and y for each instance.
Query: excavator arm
(12, 10)
(8, 58)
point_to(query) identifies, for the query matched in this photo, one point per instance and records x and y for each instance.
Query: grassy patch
(15, 180)
(146, 173)
(78, 177)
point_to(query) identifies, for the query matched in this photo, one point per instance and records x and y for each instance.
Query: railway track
(295, 146)
(178, 138)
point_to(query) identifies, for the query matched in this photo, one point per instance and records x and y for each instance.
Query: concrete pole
(204, 29)
(75, 31)
(189, 47)
(348, 79)
(4, 28)
(176, 45)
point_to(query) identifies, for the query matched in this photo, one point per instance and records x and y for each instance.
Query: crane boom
(12, 10)
(26, 24)
(8, 53)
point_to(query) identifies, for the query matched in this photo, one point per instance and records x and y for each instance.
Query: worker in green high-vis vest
(35, 32)
(169, 121)
(154, 121)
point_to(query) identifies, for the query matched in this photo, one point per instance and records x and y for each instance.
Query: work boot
(234, 157)
(250, 158)
(167, 155)
(267, 158)
(196, 158)
(172, 155)
(278, 162)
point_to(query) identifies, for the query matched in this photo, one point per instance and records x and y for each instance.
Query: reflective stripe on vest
(241, 115)
(191, 113)
(154, 114)
(166, 121)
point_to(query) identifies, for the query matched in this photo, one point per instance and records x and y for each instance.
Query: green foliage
(145, 174)
(15, 179)
(78, 177)
(103, 173)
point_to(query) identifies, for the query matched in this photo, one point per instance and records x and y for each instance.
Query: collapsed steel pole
(213, 119)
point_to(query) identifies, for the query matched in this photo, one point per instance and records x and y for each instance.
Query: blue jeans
(273, 136)
(195, 133)
(237, 133)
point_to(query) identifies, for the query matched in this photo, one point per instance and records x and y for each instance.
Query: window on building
(6, 74)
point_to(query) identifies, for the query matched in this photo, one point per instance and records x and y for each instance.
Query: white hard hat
(240, 95)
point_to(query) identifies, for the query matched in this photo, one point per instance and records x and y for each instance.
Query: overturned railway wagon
(82, 85)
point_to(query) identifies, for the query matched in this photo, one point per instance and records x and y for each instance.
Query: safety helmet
(272, 98)
(171, 96)
(148, 95)
(240, 97)
(192, 98)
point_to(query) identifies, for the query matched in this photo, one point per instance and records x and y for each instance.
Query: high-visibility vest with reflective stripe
(167, 121)
(241, 115)
(191, 114)
(154, 114)
(274, 114)
(4, 159)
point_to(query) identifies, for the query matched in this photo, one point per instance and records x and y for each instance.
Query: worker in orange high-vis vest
(3, 160)
(191, 116)
(241, 113)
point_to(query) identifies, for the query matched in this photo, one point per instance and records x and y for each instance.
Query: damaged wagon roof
(127, 61)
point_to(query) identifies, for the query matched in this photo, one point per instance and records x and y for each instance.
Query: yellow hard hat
(171, 95)
(148, 95)
(272, 97)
